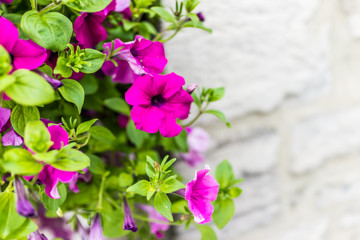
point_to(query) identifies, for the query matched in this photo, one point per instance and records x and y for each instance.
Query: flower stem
(50, 7)
(99, 205)
(33, 4)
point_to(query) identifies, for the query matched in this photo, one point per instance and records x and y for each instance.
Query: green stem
(139, 217)
(99, 205)
(50, 7)
(33, 181)
(33, 4)
(201, 111)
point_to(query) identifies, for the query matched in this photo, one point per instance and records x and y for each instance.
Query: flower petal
(147, 119)
(9, 34)
(28, 55)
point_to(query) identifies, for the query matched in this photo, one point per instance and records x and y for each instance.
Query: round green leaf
(51, 30)
(21, 115)
(87, 5)
(30, 89)
(20, 161)
(71, 160)
(73, 92)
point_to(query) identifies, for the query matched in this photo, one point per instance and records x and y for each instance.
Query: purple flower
(191, 88)
(36, 236)
(199, 192)
(142, 55)
(23, 206)
(59, 136)
(129, 222)
(122, 73)
(96, 230)
(122, 120)
(201, 17)
(118, 5)
(198, 141)
(6, 1)
(157, 102)
(155, 228)
(11, 138)
(89, 30)
(53, 82)
(4, 119)
(24, 53)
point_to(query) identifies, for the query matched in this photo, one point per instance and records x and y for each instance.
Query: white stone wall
(292, 72)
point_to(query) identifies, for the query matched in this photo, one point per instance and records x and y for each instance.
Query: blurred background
(292, 75)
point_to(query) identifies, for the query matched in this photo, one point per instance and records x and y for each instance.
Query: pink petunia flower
(10, 137)
(6, 1)
(122, 120)
(198, 141)
(199, 193)
(4, 119)
(155, 228)
(142, 56)
(25, 54)
(157, 102)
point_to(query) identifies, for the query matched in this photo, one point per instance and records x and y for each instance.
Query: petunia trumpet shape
(157, 102)
(199, 193)
(96, 229)
(129, 222)
(23, 205)
(198, 141)
(156, 228)
(142, 56)
(25, 54)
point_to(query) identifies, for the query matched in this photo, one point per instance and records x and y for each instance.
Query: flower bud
(129, 222)
(23, 206)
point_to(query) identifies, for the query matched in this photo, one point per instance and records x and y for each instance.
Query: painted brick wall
(292, 72)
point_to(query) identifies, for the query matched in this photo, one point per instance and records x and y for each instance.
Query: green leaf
(30, 89)
(125, 179)
(112, 222)
(5, 63)
(181, 141)
(164, 14)
(150, 193)
(143, 3)
(52, 204)
(150, 169)
(90, 84)
(135, 136)
(85, 126)
(87, 5)
(219, 115)
(224, 209)
(180, 206)
(102, 134)
(37, 137)
(20, 161)
(217, 94)
(199, 25)
(224, 174)
(51, 30)
(97, 166)
(207, 233)
(71, 160)
(168, 164)
(6, 81)
(171, 185)
(73, 92)
(13, 226)
(235, 192)
(162, 204)
(94, 60)
(118, 105)
(142, 187)
(21, 115)
(61, 67)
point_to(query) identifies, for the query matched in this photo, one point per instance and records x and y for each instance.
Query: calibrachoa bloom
(96, 230)
(142, 56)
(199, 193)
(198, 141)
(155, 228)
(157, 102)
(10, 138)
(23, 205)
(129, 222)
(4, 119)
(24, 54)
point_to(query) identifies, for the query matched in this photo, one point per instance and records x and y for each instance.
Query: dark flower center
(158, 100)
(11, 58)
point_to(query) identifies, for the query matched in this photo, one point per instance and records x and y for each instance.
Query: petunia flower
(36, 236)
(11, 138)
(53, 82)
(129, 222)
(198, 141)
(122, 120)
(142, 55)
(155, 227)
(4, 119)
(122, 73)
(199, 193)
(25, 54)
(157, 102)
(96, 230)
(6, 1)
(23, 205)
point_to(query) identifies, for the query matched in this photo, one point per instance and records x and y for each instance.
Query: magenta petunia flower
(11, 138)
(122, 73)
(59, 136)
(96, 229)
(157, 102)
(118, 5)
(23, 205)
(155, 228)
(129, 222)
(142, 55)
(24, 54)
(199, 193)
(6, 1)
(4, 119)
(122, 120)
(89, 30)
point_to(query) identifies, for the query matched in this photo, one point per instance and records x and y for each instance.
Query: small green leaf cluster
(161, 182)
